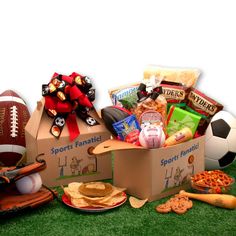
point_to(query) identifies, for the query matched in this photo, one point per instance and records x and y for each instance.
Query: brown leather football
(14, 115)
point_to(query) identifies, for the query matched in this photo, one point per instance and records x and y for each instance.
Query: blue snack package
(128, 129)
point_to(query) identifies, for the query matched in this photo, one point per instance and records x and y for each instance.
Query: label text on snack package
(183, 153)
(77, 144)
(173, 93)
(202, 103)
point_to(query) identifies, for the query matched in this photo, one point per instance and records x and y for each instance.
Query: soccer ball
(220, 145)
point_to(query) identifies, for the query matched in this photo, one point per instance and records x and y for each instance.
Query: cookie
(178, 204)
(179, 208)
(163, 208)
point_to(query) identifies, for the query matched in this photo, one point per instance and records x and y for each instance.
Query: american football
(14, 115)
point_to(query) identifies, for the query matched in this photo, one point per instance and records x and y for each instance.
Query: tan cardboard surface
(155, 173)
(34, 121)
(113, 145)
(68, 161)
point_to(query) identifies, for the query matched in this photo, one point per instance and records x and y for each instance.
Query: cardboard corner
(32, 125)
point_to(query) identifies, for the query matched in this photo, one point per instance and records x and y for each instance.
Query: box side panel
(132, 170)
(46, 123)
(71, 161)
(172, 167)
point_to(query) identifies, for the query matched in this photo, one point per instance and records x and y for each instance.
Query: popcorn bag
(66, 128)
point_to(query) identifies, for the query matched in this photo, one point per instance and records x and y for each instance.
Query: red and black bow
(66, 97)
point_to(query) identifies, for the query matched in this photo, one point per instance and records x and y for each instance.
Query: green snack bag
(178, 118)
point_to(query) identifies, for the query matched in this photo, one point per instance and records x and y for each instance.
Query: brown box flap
(112, 145)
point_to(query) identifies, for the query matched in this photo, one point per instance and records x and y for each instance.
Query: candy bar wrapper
(186, 76)
(200, 104)
(124, 96)
(178, 118)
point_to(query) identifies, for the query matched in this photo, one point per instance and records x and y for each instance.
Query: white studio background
(113, 41)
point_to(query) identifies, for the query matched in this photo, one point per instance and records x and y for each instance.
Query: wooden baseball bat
(219, 200)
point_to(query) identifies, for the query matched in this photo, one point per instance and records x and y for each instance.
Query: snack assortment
(166, 99)
(162, 110)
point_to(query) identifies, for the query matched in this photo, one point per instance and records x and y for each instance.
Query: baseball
(152, 136)
(29, 184)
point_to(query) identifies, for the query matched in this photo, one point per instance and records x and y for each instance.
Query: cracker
(163, 208)
(78, 199)
(95, 189)
(137, 203)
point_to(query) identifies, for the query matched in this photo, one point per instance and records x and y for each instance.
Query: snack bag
(152, 106)
(200, 104)
(124, 96)
(186, 76)
(128, 129)
(175, 93)
(178, 119)
(152, 110)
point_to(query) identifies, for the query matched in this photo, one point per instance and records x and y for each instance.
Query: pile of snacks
(179, 204)
(163, 110)
(94, 194)
(214, 181)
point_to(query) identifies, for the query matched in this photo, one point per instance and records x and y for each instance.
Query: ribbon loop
(66, 96)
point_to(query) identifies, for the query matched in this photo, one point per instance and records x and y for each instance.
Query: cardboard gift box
(154, 173)
(67, 161)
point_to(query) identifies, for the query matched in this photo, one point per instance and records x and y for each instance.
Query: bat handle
(220, 200)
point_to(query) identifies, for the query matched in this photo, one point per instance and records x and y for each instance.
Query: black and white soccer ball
(220, 145)
(91, 121)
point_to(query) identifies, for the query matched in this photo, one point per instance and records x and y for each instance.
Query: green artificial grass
(58, 219)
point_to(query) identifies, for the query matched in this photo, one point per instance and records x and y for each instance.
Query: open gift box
(154, 173)
(67, 161)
